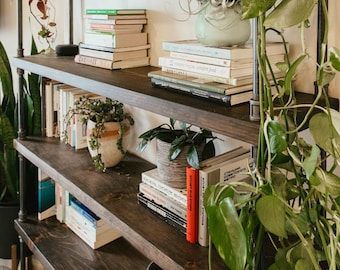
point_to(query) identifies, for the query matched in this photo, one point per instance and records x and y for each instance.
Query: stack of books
(114, 39)
(222, 74)
(183, 208)
(93, 230)
(89, 227)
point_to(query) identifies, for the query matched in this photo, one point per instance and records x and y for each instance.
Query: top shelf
(133, 87)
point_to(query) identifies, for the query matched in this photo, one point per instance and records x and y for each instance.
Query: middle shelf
(113, 197)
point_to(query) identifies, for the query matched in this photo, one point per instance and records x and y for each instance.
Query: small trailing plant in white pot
(108, 129)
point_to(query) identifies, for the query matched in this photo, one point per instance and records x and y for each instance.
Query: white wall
(165, 22)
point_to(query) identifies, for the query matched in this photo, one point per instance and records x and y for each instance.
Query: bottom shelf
(57, 247)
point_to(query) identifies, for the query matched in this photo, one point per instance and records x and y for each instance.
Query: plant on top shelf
(97, 113)
(218, 22)
(295, 200)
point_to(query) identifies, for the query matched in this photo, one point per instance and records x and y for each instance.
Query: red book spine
(192, 204)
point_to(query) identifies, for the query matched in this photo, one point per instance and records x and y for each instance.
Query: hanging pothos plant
(295, 199)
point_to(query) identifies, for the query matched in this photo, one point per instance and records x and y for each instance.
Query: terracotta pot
(110, 154)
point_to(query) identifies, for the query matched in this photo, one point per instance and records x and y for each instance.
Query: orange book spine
(192, 204)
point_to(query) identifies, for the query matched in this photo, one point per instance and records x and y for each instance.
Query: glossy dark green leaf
(277, 137)
(271, 212)
(192, 157)
(254, 8)
(334, 57)
(289, 13)
(310, 163)
(208, 150)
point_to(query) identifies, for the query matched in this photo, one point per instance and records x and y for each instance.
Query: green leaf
(289, 13)
(324, 133)
(271, 212)
(226, 231)
(192, 157)
(334, 57)
(254, 8)
(291, 73)
(277, 137)
(326, 182)
(310, 163)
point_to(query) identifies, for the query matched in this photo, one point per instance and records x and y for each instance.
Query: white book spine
(163, 200)
(204, 59)
(231, 170)
(150, 178)
(213, 70)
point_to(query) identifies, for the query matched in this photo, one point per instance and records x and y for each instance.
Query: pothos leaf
(277, 137)
(324, 133)
(324, 181)
(254, 8)
(226, 230)
(334, 57)
(310, 163)
(271, 213)
(289, 13)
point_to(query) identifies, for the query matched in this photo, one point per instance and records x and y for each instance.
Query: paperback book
(109, 64)
(152, 179)
(161, 199)
(228, 100)
(162, 213)
(233, 52)
(197, 83)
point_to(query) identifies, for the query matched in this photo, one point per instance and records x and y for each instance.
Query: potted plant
(218, 22)
(294, 202)
(108, 128)
(9, 174)
(176, 148)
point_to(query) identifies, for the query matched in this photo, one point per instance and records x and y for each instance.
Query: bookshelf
(112, 196)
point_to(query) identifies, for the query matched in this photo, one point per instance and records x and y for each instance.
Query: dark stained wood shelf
(113, 197)
(133, 87)
(52, 242)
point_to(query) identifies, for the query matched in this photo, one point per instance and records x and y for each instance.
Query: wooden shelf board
(113, 197)
(133, 87)
(57, 247)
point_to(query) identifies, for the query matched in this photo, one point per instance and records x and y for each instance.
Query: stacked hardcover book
(183, 208)
(114, 39)
(222, 74)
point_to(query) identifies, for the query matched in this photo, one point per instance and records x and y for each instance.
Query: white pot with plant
(108, 129)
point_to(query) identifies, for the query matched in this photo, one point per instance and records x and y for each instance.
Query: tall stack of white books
(114, 39)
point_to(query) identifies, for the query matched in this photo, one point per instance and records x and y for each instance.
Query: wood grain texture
(113, 197)
(133, 87)
(57, 247)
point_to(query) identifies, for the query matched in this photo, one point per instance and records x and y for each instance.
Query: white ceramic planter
(110, 154)
(215, 27)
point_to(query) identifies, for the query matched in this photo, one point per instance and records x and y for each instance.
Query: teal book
(46, 197)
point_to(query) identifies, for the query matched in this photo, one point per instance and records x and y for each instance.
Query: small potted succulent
(108, 128)
(177, 148)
